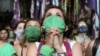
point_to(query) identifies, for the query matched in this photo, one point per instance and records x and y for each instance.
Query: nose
(54, 31)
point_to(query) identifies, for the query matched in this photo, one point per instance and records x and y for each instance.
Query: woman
(5, 48)
(54, 26)
(82, 36)
(19, 29)
(29, 44)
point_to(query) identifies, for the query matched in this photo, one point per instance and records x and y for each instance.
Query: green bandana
(32, 33)
(46, 50)
(54, 21)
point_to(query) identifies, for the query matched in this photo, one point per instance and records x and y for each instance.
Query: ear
(66, 28)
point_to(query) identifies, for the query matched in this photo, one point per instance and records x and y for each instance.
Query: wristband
(46, 50)
(61, 54)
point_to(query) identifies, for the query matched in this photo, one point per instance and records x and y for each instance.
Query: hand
(49, 39)
(56, 40)
(57, 45)
(53, 39)
(50, 36)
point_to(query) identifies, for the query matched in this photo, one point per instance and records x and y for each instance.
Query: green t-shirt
(7, 50)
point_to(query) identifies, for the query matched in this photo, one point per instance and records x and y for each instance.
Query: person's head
(55, 10)
(54, 20)
(8, 27)
(82, 26)
(3, 34)
(19, 29)
(20, 25)
(11, 37)
(32, 30)
(32, 22)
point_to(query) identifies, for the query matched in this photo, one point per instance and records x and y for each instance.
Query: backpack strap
(68, 49)
(40, 45)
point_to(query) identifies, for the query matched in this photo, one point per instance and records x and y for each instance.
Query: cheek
(4, 36)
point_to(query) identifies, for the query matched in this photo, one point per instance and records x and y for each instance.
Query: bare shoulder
(91, 43)
(88, 51)
(76, 50)
(76, 45)
(17, 46)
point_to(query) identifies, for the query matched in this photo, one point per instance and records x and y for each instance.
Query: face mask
(82, 29)
(54, 21)
(18, 33)
(32, 33)
(11, 35)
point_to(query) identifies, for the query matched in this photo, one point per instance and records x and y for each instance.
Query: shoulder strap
(40, 45)
(95, 46)
(68, 49)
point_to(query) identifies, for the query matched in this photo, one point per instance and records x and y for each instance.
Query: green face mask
(54, 21)
(32, 33)
(11, 35)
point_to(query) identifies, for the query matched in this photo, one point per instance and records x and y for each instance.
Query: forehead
(81, 23)
(21, 24)
(3, 31)
(32, 23)
(53, 10)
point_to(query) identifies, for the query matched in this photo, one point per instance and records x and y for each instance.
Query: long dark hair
(95, 46)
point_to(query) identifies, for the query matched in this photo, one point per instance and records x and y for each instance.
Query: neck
(82, 34)
(1, 42)
(30, 43)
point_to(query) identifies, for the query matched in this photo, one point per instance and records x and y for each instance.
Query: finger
(56, 41)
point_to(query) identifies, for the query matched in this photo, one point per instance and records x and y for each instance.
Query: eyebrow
(48, 14)
(58, 14)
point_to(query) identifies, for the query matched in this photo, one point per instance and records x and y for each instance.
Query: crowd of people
(51, 36)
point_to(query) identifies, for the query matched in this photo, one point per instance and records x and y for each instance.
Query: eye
(35, 25)
(58, 14)
(48, 15)
(28, 25)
